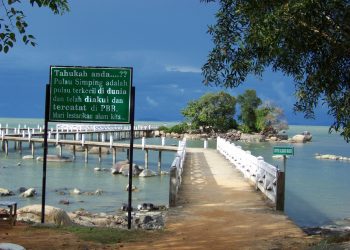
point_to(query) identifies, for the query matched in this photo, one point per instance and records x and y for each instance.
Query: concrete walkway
(218, 209)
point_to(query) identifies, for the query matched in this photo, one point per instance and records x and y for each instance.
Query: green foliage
(13, 23)
(179, 128)
(213, 111)
(249, 102)
(270, 118)
(307, 40)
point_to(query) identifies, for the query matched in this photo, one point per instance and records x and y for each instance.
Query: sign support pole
(43, 196)
(132, 119)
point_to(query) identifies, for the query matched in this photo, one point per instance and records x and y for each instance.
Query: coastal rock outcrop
(53, 215)
(55, 158)
(6, 192)
(30, 192)
(332, 157)
(122, 167)
(147, 173)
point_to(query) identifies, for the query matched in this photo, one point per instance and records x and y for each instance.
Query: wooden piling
(146, 159)
(6, 147)
(280, 191)
(172, 187)
(159, 162)
(114, 155)
(33, 149)
(99, 154)
(74, 152)
(86, 154)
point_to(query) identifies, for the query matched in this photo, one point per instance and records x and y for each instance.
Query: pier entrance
(218, 209)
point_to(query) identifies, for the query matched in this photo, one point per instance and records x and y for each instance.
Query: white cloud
(151, 101)
(183, 69)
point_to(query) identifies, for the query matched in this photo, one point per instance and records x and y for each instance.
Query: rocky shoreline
(236, 135)
(148, 219)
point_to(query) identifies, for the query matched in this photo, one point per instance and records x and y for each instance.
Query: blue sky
(165, 41)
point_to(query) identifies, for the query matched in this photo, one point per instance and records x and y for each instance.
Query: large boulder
(122, 167)
(6, 192)
(53, 215)
(299, 138)
(30, 192)
(147, 173)
(55, 158)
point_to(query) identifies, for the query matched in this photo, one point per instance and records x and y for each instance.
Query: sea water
(317, 191)
(62, 178)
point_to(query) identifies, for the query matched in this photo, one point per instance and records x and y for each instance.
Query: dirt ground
(217, 209)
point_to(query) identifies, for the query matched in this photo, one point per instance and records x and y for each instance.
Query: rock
(114, 171)
(76, 191)
(133, 188)
(55, 158)
(98, 192)
(5, 192)
(252, 137)
(299, 138)
(53, 215)
(27, 157)
(11, 246)
(145, 207)
(30, 192)
(147, 173)
(22, 189)
(64, 202)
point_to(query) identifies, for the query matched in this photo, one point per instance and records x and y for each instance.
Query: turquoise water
(317, 191)
(16, 172)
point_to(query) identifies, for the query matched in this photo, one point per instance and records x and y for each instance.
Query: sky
(165, 41)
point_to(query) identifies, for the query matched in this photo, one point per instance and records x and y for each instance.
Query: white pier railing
(176, 171)
(101, 127)
(266, 177)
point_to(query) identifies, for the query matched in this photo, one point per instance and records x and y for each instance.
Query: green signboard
(90, 94)
(283, 150)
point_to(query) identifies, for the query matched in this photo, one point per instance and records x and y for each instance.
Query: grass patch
(106, 235)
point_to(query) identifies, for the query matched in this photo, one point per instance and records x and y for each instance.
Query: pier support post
(280, 191)
(60, 150)
(6, 144)
(99, 154)
(86, 154)
(33, 149)
(159, 162)
(74, 152)
(146, 158)
(128, 154)
(114, 155)
(172, 187)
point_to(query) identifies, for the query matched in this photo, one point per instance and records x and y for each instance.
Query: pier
(218, 208)
(83, 137)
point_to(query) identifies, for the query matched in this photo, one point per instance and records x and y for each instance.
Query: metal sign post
(89, 95)
(131, 154)
(280, 196)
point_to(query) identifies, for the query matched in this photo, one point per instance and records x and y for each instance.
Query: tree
(249, 103)
(307, 40)
(13, 24)
(270, 118)
(212, 111)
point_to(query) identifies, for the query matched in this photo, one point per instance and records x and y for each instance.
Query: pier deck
(218, 209)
